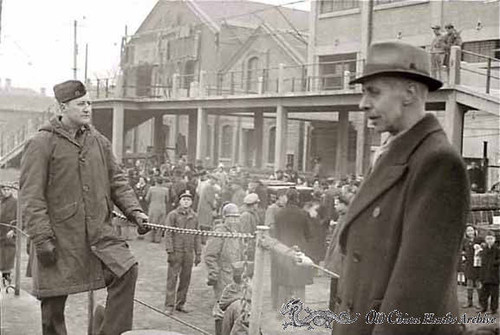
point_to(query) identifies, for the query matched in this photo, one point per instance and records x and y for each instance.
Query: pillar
(241, 144)
(281, 138)
(454, 121)
(216, 140)
(362, 145)
(342, 145)
(236, 136)
(118, 130)
(159, 137)
(258, 126)
(201, 134)
(454, 66)
(306, 141)
(192, 134)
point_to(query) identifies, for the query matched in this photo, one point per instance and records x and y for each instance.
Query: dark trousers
(487, 291)
(118, 315)
(179, 270)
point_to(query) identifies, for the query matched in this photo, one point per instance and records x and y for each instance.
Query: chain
(187, 231)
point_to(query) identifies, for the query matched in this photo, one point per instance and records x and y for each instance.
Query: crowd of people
(300, 212)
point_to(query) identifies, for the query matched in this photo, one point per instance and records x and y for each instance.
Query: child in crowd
(471, 263)
(489, 274)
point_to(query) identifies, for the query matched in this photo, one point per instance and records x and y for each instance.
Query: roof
(25, 102)
(241, 13)
(253, 14)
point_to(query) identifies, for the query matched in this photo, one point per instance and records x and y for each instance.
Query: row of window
(328, 6)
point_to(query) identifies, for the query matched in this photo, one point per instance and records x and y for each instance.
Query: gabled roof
(294, 46)
(249, 13)
(242, 13)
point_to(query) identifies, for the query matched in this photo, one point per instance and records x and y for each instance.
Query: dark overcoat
(402, 236)
(8, 213)
(292, 229)
(68, 188)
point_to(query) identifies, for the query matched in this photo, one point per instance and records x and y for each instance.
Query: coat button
(86, 188)
(376, 212)
(93, 248)
(356, 257)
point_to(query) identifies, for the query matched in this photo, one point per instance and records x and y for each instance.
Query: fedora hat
(398, 59)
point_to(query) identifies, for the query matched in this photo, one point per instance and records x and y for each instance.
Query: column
(118, 130)
(342, 145)
(258, 126)
(242, 154)
(201, 134)
(192, 134)
(159, 137)
(454, 121)
(236, 141)
(216, 140)
(281, 138)
(362, 145)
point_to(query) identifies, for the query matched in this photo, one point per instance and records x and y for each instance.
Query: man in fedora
(69, 182)
(403, 229)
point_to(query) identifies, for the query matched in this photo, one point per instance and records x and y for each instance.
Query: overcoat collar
(55, 126)
(392, 166)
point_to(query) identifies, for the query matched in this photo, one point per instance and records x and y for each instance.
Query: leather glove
(46, 253)
(197, 260)
(139, 218)
(212, 281)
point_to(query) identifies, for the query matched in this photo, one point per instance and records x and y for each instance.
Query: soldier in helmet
(222, 253)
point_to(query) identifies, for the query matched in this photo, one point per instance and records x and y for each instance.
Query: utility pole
(86, 61)
(75, 50)
(1, 20)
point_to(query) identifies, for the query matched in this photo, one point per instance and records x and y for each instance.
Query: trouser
(471, 285)
(179, 270)
(118, 315)
(487, 291)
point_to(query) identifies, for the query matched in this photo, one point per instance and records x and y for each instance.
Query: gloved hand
(10, 234)
(212, 281)
(46, 253)
(139, 219)
(197, 260)
(171, 256)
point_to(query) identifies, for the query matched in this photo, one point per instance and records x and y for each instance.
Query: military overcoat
(402, 237)
(68, 188)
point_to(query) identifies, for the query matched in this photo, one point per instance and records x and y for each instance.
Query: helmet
(230, 210)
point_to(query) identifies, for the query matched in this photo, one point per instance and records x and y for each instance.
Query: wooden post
(454, 66)
(19, 247)
(488, 76)
(258, 279)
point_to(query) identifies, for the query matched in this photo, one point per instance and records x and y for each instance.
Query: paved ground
(20, 315)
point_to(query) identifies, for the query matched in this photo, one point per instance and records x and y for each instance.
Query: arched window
(272, 145)
(227, 142)
(252, 75)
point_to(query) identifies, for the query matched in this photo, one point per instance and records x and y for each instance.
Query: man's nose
(364, 103)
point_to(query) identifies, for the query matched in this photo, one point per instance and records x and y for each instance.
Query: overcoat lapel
(391, 167)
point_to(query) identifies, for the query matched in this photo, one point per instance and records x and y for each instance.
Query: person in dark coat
(183, 250)
(490, 263)
(404, 227)
(69, 181)
(318, 228)
(292, 229)
(471, 263)
(8, 215)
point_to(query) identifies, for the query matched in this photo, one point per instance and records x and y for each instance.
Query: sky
(36, 46)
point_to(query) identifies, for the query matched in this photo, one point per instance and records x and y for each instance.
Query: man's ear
(410, 94)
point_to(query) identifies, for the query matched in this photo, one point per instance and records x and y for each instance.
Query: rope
(14, 227)
(190, 231)
(172, 317)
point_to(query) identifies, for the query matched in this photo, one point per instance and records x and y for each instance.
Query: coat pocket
(65, 212)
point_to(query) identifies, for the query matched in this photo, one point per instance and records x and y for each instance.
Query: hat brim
(431, 83)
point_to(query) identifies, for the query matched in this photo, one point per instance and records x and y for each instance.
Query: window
(328, 6)
(227, 142)
(252, 75)
(272, 145)
(331, 70)
(489, 48)
(188, 76)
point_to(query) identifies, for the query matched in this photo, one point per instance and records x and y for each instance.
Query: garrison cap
(186, 194)
(69, 90)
